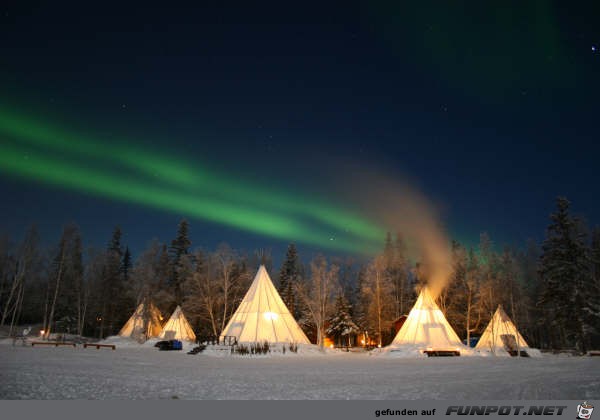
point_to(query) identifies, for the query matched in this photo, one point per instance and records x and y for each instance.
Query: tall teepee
(426, 328)
(262, 316)
(177, 327)
(143, 324)
(501, 336)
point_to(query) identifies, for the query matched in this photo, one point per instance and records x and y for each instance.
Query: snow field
(145, 373)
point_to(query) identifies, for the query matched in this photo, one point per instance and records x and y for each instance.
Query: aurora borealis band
(268, 125)
(122, 171)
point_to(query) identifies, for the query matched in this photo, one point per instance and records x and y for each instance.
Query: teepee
(262, 316)
(143, 324)
(501, 336)
(177, 328)
(426, 328)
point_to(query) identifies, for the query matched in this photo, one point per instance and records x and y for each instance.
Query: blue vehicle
(472, 342)
(169, 345)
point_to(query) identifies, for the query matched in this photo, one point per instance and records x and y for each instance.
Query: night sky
(245, 119)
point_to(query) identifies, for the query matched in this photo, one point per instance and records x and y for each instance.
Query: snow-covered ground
(139, 372)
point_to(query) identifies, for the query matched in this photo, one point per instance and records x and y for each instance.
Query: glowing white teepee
(501, 335)
(177, 327)
(143, 324)
(262, 316)
(426, 328)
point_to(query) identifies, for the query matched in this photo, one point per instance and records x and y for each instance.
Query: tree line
(551, 291)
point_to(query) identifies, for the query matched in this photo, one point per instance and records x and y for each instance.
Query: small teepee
(177, 328)
(501, 336)
(426, 328)
(262, 316)
(143, 324)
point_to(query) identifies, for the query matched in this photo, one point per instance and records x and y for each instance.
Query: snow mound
(416, 351)
(123, 342)
(502, 353)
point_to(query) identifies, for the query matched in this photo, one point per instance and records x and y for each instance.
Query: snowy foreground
(146, 373)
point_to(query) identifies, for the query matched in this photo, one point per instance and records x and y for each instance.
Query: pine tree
(113, 291)
(595, 255)
(289, 276)
(179, 250)
(592, 309)
(164, 297)
(126, 265)
(566, 276)
(80, 288)
(115, 241)
(341, 326)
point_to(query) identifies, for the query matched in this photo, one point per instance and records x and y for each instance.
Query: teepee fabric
(262, 316)
(177, 327)
(501, 335)
(426, 327)
(143, 324)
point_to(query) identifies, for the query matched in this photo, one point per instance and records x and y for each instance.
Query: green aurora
(122, 171)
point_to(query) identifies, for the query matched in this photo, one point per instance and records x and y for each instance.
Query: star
(593, 48)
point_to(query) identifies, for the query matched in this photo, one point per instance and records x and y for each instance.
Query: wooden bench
(51, 343)
(441, 353)
(97, 345)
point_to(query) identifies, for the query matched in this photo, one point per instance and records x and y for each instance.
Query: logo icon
(584, 410)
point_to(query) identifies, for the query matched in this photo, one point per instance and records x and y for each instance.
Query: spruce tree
(566, 276)
(179, 250)
(126, 265)
(289, 275)
(595, 254)
(114, 289)
(341, 325)
(76, 269)
(592, 309)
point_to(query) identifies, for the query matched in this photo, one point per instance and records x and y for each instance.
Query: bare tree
(317, 293)
(471, 287)
(204, 293)
(24, 267)
(379, 290)
(226, 259)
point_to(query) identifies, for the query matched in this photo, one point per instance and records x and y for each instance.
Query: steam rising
(401, 208)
